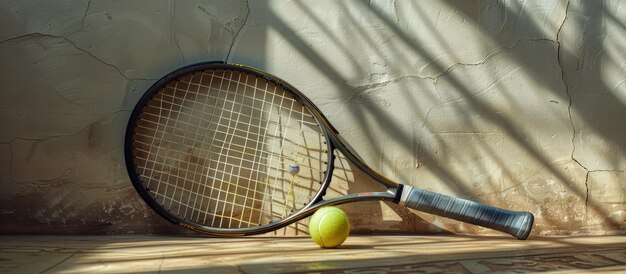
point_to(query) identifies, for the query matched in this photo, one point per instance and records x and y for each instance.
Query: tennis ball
(329, 227)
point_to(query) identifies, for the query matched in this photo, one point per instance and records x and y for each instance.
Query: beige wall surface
(518, 104)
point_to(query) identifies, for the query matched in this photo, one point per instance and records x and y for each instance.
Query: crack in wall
(57, 179)
(226, 25)
(362, 88)
(482, 62)
(586, 190)
(569, 110)
(82, 20)
(58, 93)
(232, 44)
(173, 30)
(567, 91)
(63, 135)
(587, 172)
(525, 180)
(569, 107)
(73, 44)
(38, 140)
(45, 182)
(39, 35)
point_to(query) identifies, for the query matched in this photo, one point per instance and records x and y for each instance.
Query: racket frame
(333, 141)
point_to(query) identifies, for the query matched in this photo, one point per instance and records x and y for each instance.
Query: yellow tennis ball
(329, 227)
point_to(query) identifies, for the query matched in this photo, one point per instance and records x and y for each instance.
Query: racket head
(207, 149)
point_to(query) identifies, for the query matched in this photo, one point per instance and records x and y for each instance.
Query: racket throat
(398, 194)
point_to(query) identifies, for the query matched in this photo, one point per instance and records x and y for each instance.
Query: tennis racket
(230, 150)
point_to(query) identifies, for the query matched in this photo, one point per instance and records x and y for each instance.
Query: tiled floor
(359, 254)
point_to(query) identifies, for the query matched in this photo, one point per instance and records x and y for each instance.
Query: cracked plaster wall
(519, 104)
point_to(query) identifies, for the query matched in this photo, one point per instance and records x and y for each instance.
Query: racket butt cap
(526, 225)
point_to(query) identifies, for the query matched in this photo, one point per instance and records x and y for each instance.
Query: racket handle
(516, 223)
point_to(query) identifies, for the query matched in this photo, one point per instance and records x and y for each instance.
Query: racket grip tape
(516, 223)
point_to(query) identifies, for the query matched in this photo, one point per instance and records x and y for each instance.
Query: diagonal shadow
(398, 135)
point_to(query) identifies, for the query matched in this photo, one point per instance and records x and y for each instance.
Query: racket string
(158, 148)
(309, 119)
(193, 145)
(228, 185)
